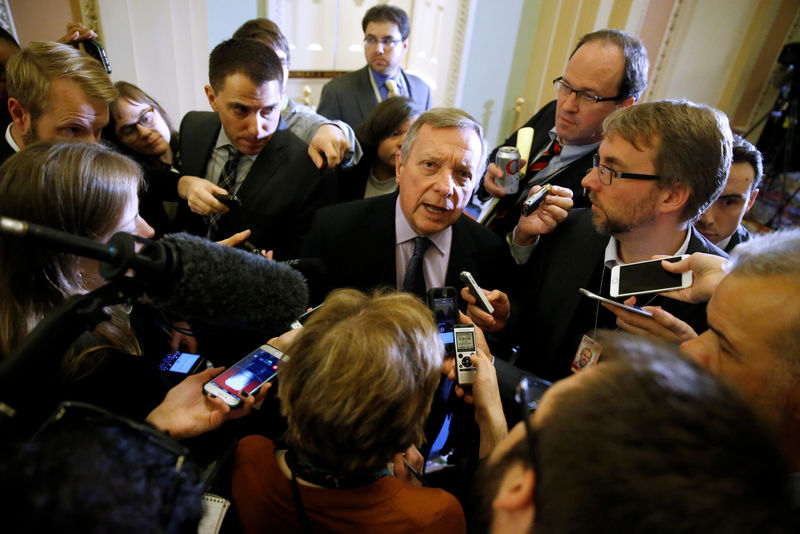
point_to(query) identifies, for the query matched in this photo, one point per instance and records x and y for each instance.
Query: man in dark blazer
(368, 243)
(659, 166)
(606, 71)
(352, 96)
(241, 150)
(721, 223)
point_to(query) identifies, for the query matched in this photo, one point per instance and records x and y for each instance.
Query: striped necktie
(414, 279)
(227, 181)
(541, 162)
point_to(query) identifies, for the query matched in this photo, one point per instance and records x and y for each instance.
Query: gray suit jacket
(350, 97)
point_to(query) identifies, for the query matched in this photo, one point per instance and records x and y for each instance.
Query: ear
(212, 98)
(752, 200)
(398, 167)
(674, 197)
(627, 102)
(515, 494)
(21, 118)
(405, 45)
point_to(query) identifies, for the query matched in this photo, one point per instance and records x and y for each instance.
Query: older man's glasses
(387, 42)
(130, 132)
(563, 90)
(605, 174)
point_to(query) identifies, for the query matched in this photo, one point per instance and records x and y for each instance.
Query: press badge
(587, 355)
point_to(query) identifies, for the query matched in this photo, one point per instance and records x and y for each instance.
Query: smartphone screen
(179, 362)
(249, 373)
(647, 277)
(443, 301)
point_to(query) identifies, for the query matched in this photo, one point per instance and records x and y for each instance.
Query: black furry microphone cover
(231, 287)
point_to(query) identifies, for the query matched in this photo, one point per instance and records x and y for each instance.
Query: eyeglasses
(130, 132)
(563, 89)
(387, 42)
(605, 174)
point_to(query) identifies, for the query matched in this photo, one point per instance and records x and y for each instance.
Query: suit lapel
(198, 138)
(367, 100)
(377, 229)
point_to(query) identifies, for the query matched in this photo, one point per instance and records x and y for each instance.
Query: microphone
(191, 276)
(226, 286)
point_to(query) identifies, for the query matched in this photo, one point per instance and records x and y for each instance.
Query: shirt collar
(380, 79)
(403, 231)
(10, 138)
(223, 141)
(572, 151)
(611, 257)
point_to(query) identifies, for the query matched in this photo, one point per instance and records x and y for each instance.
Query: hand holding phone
(476, 291)
(647, 277)
(634, 309)
(247, 376)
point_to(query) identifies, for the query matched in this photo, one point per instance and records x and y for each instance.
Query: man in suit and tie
(244, 149)
(659, 166)
(722, 221)
(376, 241)
(606, 71)
(351, 97)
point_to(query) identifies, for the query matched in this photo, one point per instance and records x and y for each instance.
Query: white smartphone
(634, 309)
(647, 277)
(248, 375)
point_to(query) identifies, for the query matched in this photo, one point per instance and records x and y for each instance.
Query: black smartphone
(184, 363)
(232, 201)
(96, 50)
(248, 375)
(443, 302)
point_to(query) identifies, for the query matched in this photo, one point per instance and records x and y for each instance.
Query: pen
(414, 472)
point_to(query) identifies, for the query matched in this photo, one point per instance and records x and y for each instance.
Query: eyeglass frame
(387, 42)
(581, 94)
(524, 399)
(617, 174)
(134, 126)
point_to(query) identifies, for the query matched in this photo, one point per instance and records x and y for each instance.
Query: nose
(570, 102)
(144, 131)
(257, 125)
(591, 180)
(445, 184)
(706, 219)
(143, 229)
(703, 350)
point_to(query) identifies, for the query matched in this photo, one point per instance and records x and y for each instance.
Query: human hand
(485, 396)
(493, 172)
(328, 141)
(546, 218)
(187, 411)
(415, 460)
(76, 33)
(488, 323)
(199, 193)
(182, 337)
(662, 324)
(707, 272)
(283, 341)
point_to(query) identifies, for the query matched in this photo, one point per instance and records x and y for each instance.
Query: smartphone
(477, 292)
(96, 50)
(464, 335)
(647, 277)
(300, 321)
(181, 362)
(634, 309)
(249, 374)
(443, 302)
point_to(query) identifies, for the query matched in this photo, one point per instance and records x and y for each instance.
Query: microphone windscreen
(230, 287)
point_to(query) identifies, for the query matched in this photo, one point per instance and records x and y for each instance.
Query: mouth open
(434, 210)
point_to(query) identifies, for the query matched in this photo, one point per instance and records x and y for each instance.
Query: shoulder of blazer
(698, 243)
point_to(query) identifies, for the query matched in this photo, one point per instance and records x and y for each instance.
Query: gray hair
(446, 118)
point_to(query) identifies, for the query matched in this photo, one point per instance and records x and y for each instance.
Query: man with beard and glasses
(646, 441)
(659, 166)
(54, 90)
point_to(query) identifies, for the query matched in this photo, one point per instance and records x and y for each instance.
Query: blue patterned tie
(414, 279)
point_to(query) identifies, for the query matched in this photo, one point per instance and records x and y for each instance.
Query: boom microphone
(191, 276)
(226, 286)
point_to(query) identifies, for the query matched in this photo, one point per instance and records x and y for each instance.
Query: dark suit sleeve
(329, 106)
